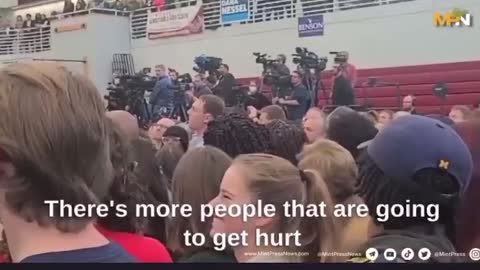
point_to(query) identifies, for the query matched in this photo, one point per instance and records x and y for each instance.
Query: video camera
(271, 72)
(182, 83)
(180, 86)
(340, 57)
(262, 59)
(306, 59)
(207, 63)
(127, 93)
(126, 90)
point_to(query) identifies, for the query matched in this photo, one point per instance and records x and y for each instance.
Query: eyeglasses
(170, 140)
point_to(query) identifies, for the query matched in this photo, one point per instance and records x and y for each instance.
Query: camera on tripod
(180, 86)
(128, 90)
(307, 60)
(271, 73)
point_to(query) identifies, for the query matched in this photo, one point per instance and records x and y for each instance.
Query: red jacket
(144, 249)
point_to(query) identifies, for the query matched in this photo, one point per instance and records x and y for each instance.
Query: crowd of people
(30, 34)
(57, 143)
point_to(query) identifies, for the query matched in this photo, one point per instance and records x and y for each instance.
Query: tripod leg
(172, 113)
(184, 114)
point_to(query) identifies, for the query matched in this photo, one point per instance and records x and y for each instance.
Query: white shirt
(196, 141)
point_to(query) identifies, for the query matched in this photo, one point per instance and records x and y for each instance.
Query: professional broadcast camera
(271, 73)
(128, 93)
(207, 63)
(180, 86)
(305, 59)
(340, 57)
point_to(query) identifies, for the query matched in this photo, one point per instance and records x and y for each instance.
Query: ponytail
(319, 234)
(4, 250)
(275, 180)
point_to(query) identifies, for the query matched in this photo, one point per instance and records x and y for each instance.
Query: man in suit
(225, 84)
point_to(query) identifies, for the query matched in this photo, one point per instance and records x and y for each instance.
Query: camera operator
(299, 102)
(161, 98)
(281, 71)
(200, 86)
(280, 66)
(344, 81)
(255, 98)
(224, 86)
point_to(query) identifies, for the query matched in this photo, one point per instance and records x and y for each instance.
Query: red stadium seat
(462, 78)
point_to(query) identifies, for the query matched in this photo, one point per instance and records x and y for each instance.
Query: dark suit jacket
(224, 89)
(31, 25)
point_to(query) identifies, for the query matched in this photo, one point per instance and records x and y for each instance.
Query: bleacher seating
(462, 79)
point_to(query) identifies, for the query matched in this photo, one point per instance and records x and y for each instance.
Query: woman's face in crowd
(313, 126)
(384, 118)
(233, 191)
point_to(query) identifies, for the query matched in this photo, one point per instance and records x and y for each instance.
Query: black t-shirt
(110, 253)
(302, 96)
(257, 100)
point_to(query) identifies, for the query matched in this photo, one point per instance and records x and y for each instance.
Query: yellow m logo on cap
(444, 164)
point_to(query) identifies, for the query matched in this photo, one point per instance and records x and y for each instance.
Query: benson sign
(310, 26)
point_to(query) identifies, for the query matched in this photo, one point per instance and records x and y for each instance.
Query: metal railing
(26, 40)
(91, 11)
(260, 11)
(37, 39)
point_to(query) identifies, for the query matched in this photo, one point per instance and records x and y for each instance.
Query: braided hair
(426, 187)
(237, 134)
(287, 140)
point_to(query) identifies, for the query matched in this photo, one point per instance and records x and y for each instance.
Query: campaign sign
(175, 22)
(310, 26)
(234, 10)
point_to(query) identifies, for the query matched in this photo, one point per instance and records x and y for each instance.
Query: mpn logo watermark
(455, 18)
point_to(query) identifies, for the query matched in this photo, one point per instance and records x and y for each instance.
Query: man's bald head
(126, 122)
(156, 130)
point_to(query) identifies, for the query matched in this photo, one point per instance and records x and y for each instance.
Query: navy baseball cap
(412, 143)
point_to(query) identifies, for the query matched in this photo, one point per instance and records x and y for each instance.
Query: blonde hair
(54, 131)
(196, 181)
(465, 110)
(334, 164)
(275, 181)
(161, 67)
(389, 112)
(337, 166)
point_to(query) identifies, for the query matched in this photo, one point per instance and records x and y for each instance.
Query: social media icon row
(390, 254)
